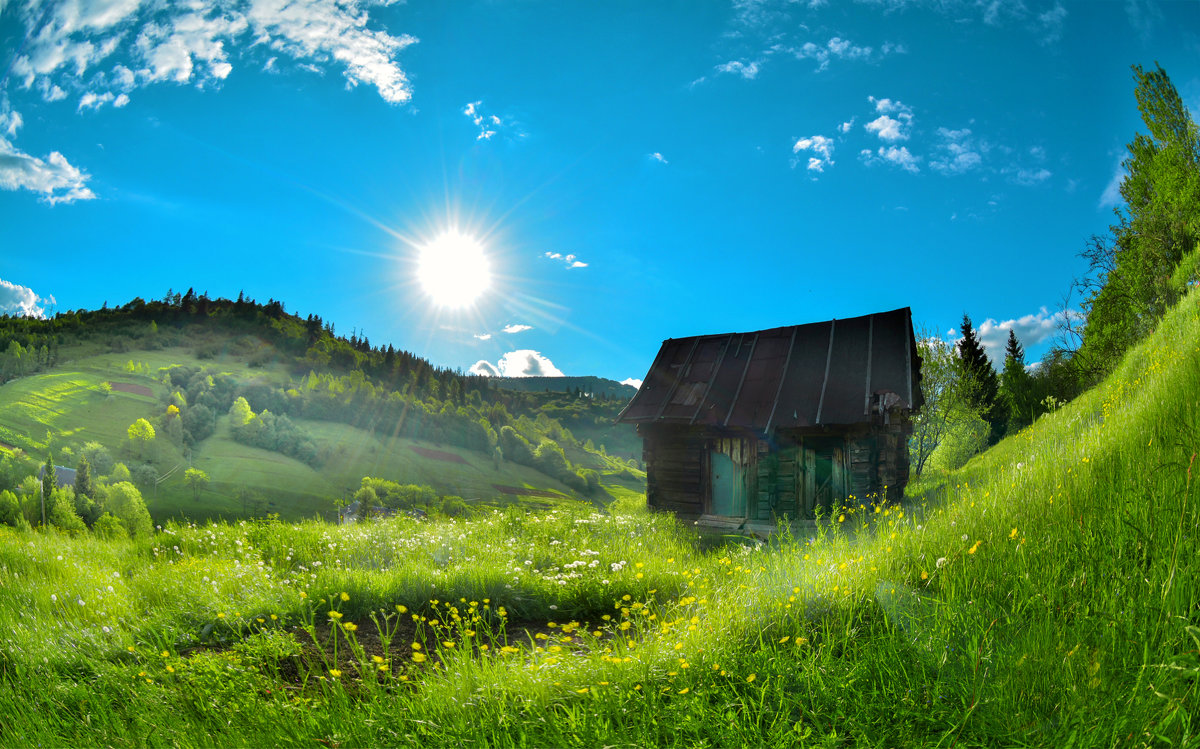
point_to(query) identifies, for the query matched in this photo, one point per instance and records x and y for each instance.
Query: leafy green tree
(197, 480)
(1131, 280)
(125, 502)
(240, 413)
(141, 434)
(516, 448)
(109, 526)
(10, 510)
(62, 513)
(98, 457)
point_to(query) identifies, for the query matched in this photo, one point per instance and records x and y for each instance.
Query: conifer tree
(1016, 386)
(979, 380)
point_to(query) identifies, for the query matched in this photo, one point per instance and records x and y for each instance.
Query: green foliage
(110, 528)
(10, 510)
(49, 477)
(97, 457)
(125, 502)
(141, 434)
(515, 447)
(1132, 272)
(197, 481)
(61, 513)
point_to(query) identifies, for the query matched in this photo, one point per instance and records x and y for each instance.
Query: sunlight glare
(453, 269)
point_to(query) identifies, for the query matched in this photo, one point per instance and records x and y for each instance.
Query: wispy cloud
(1111, 197)
(520, 363)
(483, 336)
(836, 48)
(656, 156)
(570, 261)
(488, 124)
(22, 301)
(819, 150)
(516, 328)
(957, 153)
(1051, 23)
(747, 70)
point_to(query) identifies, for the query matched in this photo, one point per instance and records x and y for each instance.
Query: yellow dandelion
(274, 617)
(377, 658)
(335, 615)
(303, 594)
(1012, 533)
(344, 596)
(448, 644)
(418, 657)
(784, 639)
(685, 690)
(350, 627)
(751, 678)
(221, 615)
(401, 609)
(335, 673)
(924, 575)
(131, 649)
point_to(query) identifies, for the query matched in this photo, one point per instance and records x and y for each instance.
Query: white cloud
(749, 71)
(656, 156)
(10, 122)
(54, 178)
(957, 153)
(520, 363)
(890, 128)
(484, 369)
(835, 48)
(190, 43)
(1031, 330)
(516, 328)
(482, 122)
(571, 261)
(896, 156)
(1111, 197)
(483, 336)
(821, 149)
(1029, 176)
(632, 381)
(845, 127)
(22, 301)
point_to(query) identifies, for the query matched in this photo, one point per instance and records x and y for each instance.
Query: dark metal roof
(800, 376)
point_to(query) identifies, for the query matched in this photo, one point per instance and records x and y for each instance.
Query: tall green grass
(1044, 595)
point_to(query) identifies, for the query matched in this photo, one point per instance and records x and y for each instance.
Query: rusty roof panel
(804, 375)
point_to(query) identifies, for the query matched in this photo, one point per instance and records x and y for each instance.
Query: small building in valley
(743, 430)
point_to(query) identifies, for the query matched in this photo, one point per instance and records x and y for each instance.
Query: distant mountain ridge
(597, 386)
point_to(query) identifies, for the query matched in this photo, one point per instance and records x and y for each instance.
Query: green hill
(325, 413)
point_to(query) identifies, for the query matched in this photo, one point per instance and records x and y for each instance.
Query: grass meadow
(1044, 595)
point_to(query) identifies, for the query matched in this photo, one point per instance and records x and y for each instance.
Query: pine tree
(979, 380)
(1016, 386)
(49, 477)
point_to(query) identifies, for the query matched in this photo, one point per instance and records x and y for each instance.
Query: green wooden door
(728, 486)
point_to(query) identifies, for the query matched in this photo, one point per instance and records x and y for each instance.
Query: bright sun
(453, 269)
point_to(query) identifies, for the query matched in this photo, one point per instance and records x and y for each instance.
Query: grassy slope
(1048, 596)
(68, 403)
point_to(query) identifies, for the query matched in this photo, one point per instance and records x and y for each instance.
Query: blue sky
(632, 170)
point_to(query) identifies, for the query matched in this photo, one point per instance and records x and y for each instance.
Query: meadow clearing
(1044, 595)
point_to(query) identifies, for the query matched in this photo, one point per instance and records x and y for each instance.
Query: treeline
(1139, 270)
(341, 379)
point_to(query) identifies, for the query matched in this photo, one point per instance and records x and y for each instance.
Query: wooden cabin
(742, 430)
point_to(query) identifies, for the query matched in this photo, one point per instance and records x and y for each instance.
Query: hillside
(1047, 594)
(321, 413)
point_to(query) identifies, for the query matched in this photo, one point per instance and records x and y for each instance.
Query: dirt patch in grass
(438, 455)
(524, 492)
(125, 387)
